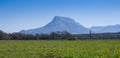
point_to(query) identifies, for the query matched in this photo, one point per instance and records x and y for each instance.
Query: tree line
(58, 36)
(52, 36)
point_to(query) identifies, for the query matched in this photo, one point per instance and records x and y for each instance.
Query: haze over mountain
(68, 24)
(59, 24)
(106, 29)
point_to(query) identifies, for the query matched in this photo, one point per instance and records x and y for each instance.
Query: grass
(59, 49)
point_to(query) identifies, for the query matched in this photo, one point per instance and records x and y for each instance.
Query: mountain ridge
(106, 29)
(59, 23)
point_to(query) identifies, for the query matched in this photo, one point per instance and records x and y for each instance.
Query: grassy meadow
(60, 49)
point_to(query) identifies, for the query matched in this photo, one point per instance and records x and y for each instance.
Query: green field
(60, 49)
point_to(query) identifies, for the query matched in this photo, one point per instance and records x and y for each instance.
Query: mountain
(106, 29)
(59, 24)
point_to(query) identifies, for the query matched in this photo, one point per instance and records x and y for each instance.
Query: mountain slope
(106, 29)
(59, 24)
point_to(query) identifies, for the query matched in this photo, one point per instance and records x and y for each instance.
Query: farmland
(60, 49)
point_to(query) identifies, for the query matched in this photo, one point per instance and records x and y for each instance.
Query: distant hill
(106, 29)
(59, 24)
(68, 24)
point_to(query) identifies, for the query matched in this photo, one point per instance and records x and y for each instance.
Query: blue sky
(16, 15)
